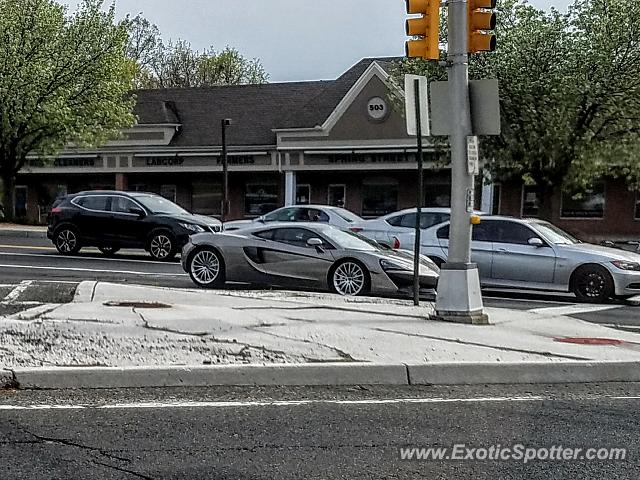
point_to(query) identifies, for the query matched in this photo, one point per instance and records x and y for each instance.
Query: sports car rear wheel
(206, 268)
(350, 278)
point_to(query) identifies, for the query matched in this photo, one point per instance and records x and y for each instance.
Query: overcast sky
(294, 39)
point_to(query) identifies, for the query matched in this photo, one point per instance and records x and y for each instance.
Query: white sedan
(386, 229)
(336, 216)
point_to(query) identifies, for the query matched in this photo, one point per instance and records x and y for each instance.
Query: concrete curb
(320, 374)
(19, 233)
(524, 372)
(245, 375)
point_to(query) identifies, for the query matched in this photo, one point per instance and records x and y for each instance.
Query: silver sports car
(302, 255)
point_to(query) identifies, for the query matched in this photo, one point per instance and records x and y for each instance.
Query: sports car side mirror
(317, 243)
(536, 242)
(314, 242)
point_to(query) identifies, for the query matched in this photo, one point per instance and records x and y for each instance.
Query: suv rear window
(99, 203)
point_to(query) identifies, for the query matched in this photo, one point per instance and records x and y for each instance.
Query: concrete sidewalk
(22, 231)
(122, 325)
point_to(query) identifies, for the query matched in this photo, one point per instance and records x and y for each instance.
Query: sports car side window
(294, 236)
(266, 234)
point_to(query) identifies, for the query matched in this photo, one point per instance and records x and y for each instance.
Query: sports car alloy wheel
(161, 247)
(205, 267)
(66, 241)
(349, 279)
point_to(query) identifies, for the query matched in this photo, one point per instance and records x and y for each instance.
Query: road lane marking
(26, 247)
(573, 309)
(275, 403)
(13, 295)
(95, 270)
(302, 403)
(75, 257)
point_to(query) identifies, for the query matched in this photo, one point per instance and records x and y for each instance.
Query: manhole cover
(590, 341)
(137, 304)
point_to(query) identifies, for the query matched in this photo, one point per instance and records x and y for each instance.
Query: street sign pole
(416, 247)
(459, 298)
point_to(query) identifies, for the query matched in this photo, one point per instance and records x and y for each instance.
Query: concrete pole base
(459, 297)
(469, 319)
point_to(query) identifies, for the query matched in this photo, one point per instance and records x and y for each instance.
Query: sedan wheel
(206, 269)
(161, 247)
(67, 241)
(593, 284)
(349, 278)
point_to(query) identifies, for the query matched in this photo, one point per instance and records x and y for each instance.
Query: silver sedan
(537, 255)
(302, 255)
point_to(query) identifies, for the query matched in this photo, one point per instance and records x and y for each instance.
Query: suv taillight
(356, 229)
(396, 243)
(56, 210)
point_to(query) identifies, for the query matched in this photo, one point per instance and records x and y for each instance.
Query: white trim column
(289, 188)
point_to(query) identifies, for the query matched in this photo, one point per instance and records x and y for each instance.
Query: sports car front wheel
(206, 268)
(350, 278)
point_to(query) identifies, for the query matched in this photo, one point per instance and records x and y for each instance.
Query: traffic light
(481, 20)
(426, 28)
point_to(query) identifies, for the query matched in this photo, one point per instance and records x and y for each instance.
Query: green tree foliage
(64, 81)
(178, 65)
(569, 94)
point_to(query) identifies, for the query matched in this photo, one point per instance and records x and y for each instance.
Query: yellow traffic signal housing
(481, 20)
(426, 28)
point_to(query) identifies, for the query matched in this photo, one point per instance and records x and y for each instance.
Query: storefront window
(169, 192)
(637, 217)
(206, 198)
(336, 195)
(303, 194)
(437, 196)
(495, 204)
(589, 204)
(379, 199)
(260, 199)
(530, 201)
(20, 201)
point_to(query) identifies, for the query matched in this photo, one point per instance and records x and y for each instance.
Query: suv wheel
(66, 241)
(162, 246)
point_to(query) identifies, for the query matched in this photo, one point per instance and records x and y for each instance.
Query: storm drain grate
(590, 341)
(137, 304)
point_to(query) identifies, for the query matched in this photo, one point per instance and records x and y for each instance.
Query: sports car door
(288, 257)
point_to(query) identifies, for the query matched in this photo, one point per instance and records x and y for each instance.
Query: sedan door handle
(502, 250)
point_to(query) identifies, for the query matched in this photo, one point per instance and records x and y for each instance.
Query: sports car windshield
(556, 235)
(160, 205)
(350, 240)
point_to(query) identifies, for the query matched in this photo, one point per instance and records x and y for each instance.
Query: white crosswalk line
(573, 309)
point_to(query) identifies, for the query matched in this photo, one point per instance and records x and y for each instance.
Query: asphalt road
(23, 259)
(316, 433)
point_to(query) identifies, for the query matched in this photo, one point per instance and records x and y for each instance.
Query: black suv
(114, 220)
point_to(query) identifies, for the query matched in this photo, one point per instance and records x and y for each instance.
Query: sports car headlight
(389, 265)
(192, 228)
(625, 265)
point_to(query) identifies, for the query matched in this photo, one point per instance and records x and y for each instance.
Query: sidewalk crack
(482, 345)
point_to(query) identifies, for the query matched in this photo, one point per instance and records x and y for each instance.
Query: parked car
(337, 216)
(386, 229)
(534, 254)
(302, 255)
(113, 220)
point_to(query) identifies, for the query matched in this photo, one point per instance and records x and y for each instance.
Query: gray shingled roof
(254, 109)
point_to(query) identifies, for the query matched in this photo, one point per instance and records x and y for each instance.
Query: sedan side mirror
(536, 242)
(138, 211)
